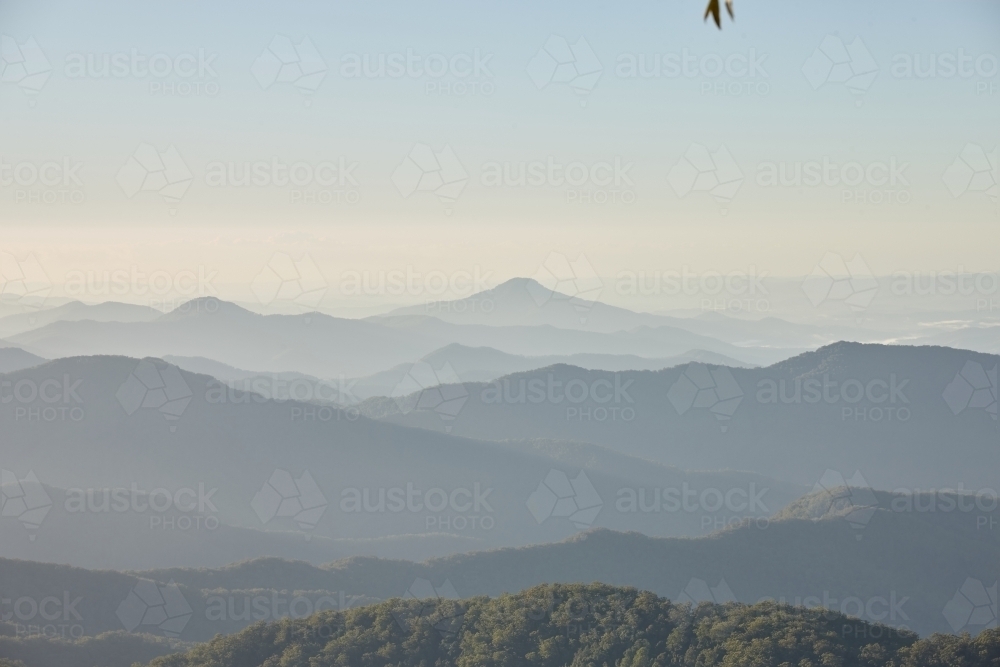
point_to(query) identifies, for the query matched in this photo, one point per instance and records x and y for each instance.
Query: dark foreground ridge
(555, 625)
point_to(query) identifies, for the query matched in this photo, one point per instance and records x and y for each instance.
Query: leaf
(713, 9)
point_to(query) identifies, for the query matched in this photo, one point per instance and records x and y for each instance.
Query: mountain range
(109, 435)
(879, 558)
(904, 416)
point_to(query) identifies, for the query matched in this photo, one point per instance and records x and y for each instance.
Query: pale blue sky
(650, 123)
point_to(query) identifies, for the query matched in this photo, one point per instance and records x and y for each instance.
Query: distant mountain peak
(205, 305)
(514, 285)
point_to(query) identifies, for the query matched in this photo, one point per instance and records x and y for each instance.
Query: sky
(650, 143)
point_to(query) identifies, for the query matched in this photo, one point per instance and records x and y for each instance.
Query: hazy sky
(681, 143)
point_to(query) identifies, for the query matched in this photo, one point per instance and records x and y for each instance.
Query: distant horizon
(972, 297)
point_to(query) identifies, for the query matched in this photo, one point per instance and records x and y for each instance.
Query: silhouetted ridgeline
(582, 625)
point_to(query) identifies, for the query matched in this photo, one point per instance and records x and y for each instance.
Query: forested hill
(556, 625)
